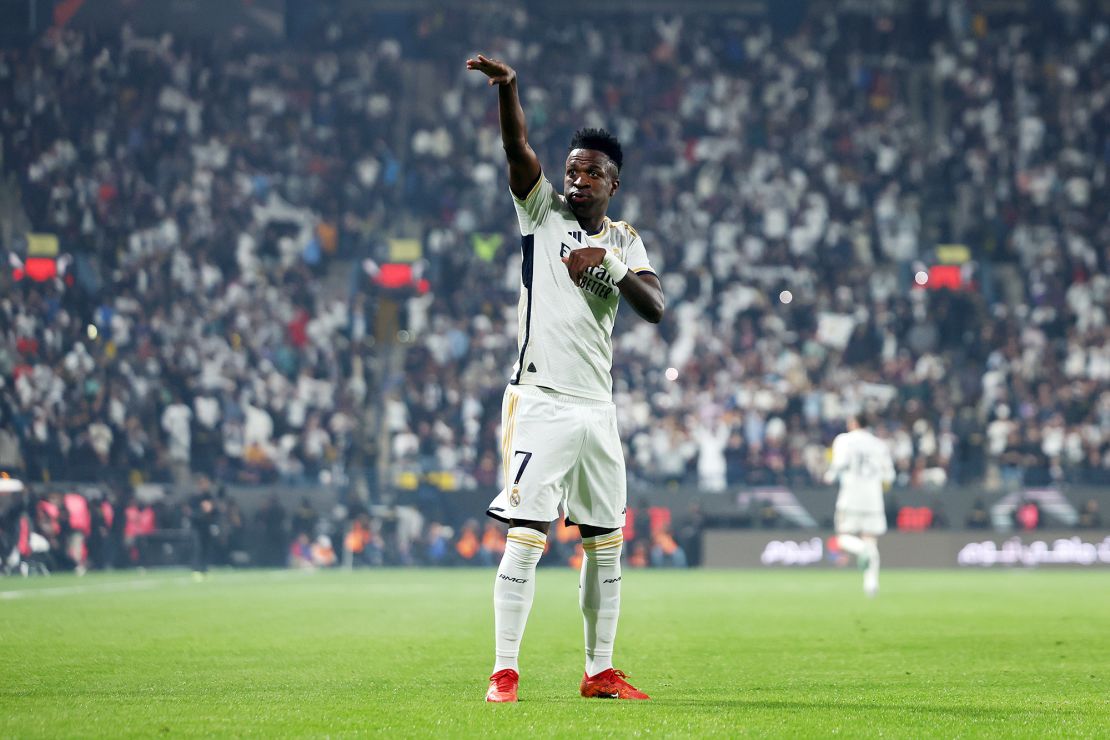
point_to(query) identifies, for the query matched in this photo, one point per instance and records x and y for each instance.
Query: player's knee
(604, 550)
(609, 557)
(523, 557)
(523, 550)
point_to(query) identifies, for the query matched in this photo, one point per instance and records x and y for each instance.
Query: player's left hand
(580, 260)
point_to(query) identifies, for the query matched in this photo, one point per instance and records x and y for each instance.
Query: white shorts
(860, 522)
(560, 450)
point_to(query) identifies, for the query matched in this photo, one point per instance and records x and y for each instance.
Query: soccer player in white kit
(863, 465)
(560, 444)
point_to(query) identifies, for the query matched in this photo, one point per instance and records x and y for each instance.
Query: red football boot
(609, 684)
(502, 686)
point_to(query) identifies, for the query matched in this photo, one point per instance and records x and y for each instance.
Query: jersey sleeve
(635, 255)
(534, 207)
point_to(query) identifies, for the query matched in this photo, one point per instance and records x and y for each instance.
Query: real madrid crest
(514, 497)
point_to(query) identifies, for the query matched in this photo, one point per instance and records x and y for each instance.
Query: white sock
(513, 590)
(851, 544)
(871, 574)
(600, 598)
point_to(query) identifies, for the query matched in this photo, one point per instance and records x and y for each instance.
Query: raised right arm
(524, 165)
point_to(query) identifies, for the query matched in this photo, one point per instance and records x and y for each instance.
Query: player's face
(589, 182)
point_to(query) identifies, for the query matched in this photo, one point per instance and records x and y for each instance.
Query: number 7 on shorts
(523, 465)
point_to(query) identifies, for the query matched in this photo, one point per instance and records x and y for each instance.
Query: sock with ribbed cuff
(513, 591)
(600, 597)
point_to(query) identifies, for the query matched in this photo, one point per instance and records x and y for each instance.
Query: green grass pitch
(407, 653)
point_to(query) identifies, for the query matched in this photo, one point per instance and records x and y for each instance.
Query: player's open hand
(497, 71)
(580, 260)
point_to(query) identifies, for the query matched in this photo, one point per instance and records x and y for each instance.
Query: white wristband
(616, 269)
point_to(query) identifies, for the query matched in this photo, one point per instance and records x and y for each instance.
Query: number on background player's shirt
(565, 330)
(863, 464)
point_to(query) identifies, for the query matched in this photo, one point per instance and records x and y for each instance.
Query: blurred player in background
(560, 444)
(863, 465)
(204, 520)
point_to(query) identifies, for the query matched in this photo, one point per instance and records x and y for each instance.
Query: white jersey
(565, 331)
(863, 464)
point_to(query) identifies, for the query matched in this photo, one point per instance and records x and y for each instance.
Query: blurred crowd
(791, 189)
(54, 528)
(198, 191)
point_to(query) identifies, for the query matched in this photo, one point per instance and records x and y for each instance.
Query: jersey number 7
(523, 465)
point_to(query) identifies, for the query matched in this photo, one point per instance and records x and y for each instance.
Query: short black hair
(599, 140)
(867, 419)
